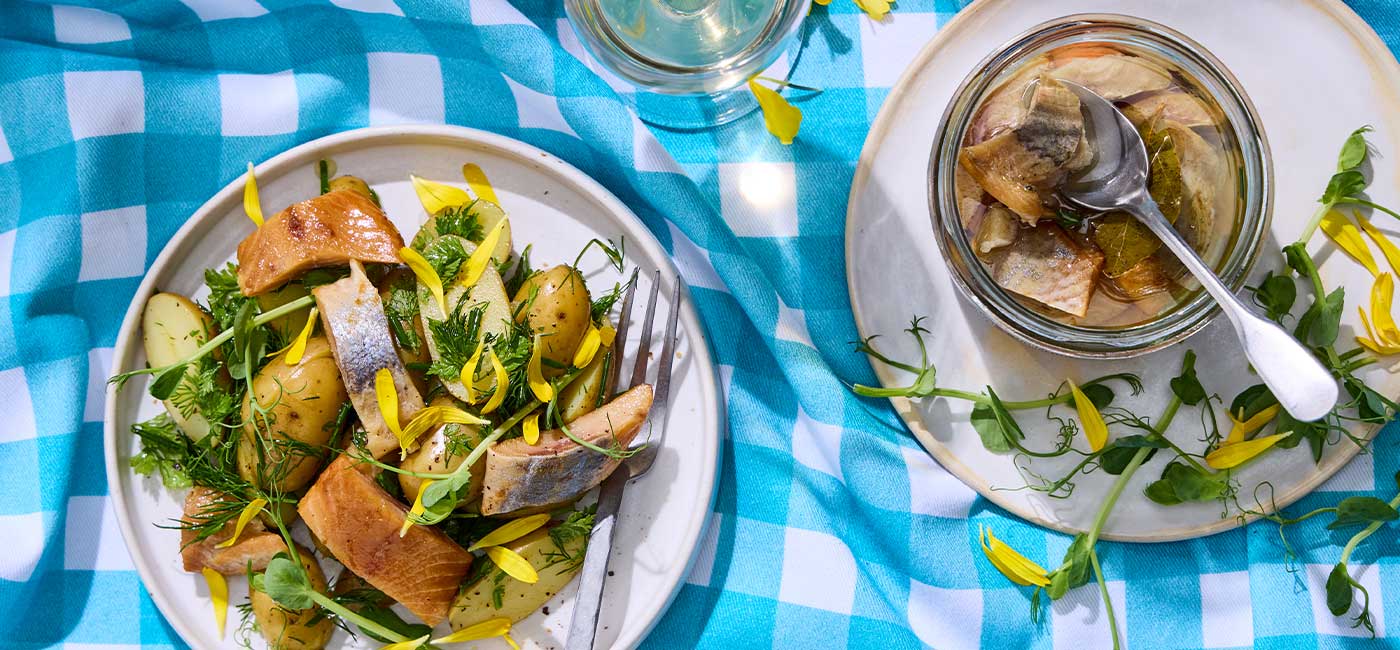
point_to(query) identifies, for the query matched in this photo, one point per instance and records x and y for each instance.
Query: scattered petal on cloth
(831, 527)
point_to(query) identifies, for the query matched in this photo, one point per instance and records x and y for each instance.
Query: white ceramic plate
(1314, 70)
(553, 206)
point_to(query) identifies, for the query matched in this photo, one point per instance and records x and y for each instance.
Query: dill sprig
(456, 338)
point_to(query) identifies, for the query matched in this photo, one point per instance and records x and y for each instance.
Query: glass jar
(1246, 186)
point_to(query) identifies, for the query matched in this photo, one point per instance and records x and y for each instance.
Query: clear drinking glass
(688, 58)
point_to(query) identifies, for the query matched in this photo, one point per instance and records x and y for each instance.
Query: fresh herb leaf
(456, 338)
(984, 420)
(402, 311)
(446, 255)
(164, 450)
(1276, 295)
(1362, 510)
(1339, 596)
(1251, 401)
(1354, 150)
(1186, 386)
(461, 221)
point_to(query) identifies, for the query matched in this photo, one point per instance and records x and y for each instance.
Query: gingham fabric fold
(832, 527)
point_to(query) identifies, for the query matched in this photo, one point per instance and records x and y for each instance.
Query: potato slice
(488, 214)
(476, 602)
(172, 328)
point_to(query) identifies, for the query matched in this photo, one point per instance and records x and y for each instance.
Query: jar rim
(1191, 313)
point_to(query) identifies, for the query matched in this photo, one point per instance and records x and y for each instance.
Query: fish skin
(358, 331)
(520, 476)
(359, 523)
(256, 546)
(328, 230)
(1046, 265)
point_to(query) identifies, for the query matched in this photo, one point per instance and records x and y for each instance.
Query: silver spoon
(1117, 181)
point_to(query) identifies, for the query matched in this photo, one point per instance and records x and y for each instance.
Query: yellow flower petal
(218, 595)
(1388, 248)
(1342, 231)
(531, 429)
(436, 196)
(298, 346)
(1382, 293)
(1095, 431)
(407, 645)
(588, 346)
(417, 509)
(782, 119)
(251, 205)
(823, 2)
(1016, 567)
(511, 531)
(876, 9)
(487, 629)
(607, 334)
(388, 396)
(468, 377)
(513, 564)
(542, 389)
(476, 179)
(1238, 429)
(429, 417)
(1235, 453)
(426, 274)
(481, 257)
(249, 511)
(502, 384)
(510, 642)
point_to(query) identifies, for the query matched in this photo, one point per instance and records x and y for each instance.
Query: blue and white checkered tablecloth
(832, 528)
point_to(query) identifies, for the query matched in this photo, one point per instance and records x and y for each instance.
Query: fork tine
(639, 367)
(660, 404)
(620, 339)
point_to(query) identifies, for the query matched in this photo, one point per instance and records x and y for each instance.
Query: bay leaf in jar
(1124, 240)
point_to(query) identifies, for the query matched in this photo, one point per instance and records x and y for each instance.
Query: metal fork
(584, 627)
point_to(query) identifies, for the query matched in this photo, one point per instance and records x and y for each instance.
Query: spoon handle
(1302, 385)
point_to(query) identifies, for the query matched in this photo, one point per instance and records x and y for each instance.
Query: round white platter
(553, 206)
(1314, 70)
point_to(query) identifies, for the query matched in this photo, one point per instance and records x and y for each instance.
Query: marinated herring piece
(997, 229)
(255, 547)
(521, 476)
(1047, 266)
(360, 523)
(1111, 75)
(1015, 165)
(328, 230)
(360, 339)
(1175, 106)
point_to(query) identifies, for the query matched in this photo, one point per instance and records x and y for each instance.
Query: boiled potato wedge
(288, 325)
(432, 456)
(489, 289)
(555, 303)
(586, 392)
(305, 629)
(488, 214)
(283, 448)
(172, 328)
(474, 604)
(354, 184)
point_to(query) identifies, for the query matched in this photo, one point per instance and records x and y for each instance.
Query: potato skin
(302, 629)
(473, 604)
(352, 183)
(431, 457)
(306, 399)
(582, 396)
(560, 311)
